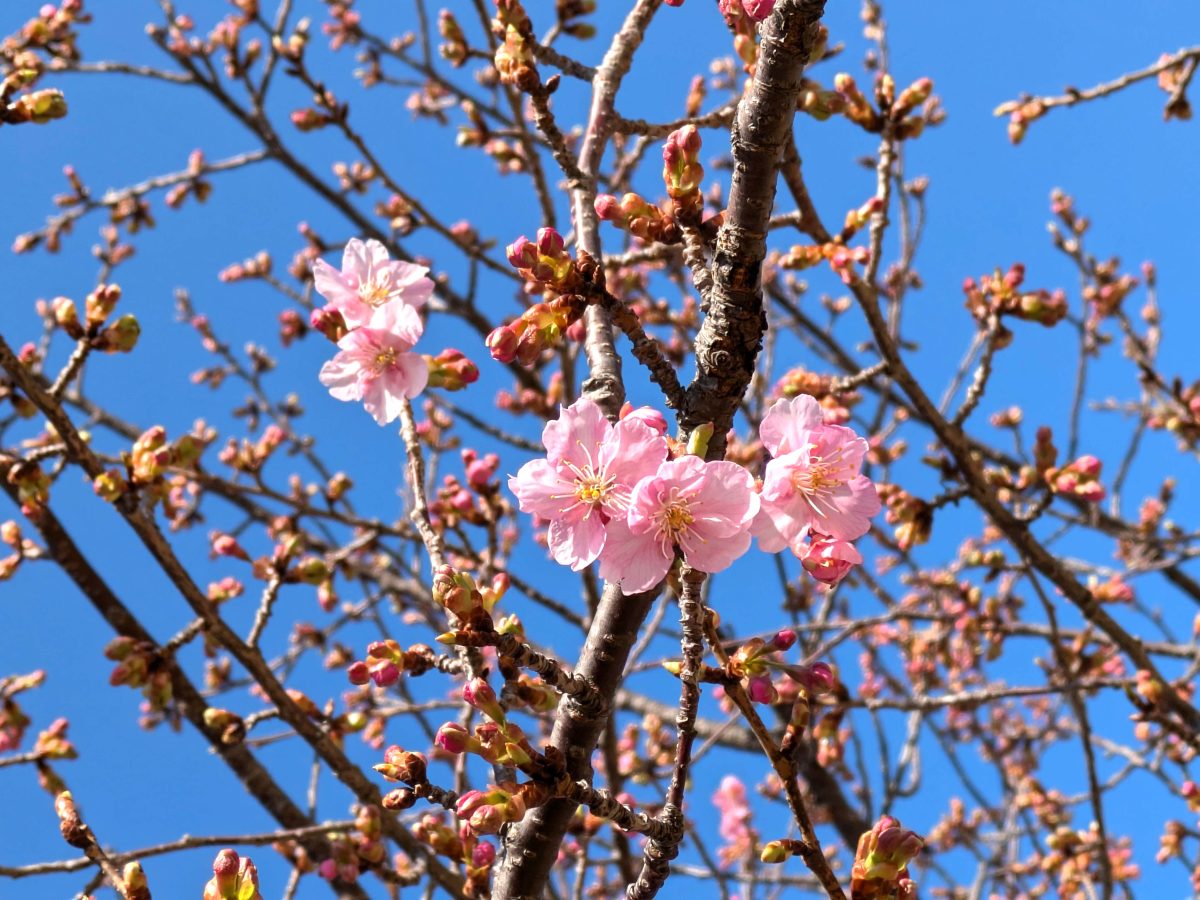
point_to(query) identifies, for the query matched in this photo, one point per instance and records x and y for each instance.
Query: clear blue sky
(1134, 176)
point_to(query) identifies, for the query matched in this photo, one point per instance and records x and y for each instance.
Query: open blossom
(815, 480)
(704, 508)
(586, 479)
(378, 368)
(371, 288)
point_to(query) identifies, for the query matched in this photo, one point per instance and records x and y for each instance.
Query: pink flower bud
(483, 855)
(522, 253)
(761, 690)
(385, 674)
(479, 694)
(607, 207)
(502, 343)
(647, 416)
(358, 672)
(329, 322)
(784, 640)
(453, 738)
(549, 242)
(227, 545)
(817, 678)
(758, 9)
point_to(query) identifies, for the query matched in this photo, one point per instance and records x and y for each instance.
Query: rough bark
(731, 336)
(533, 845)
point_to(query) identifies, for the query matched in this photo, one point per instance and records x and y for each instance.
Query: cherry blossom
(376, 366)
(584, 483)
(704, 508)
(815, 480)
(730, 799)
(371, 287)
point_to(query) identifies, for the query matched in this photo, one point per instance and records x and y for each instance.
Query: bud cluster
(911, 517)
(386, 661)
(486, 812)
(119, 337)
(841, 258)
(548, 267)
(1080, 478)
(638, 216)
(460, 595)
(900, 111)
(881, 862)
(514, 59)
(13, 720)
(1000, 294)
(682, 171)
(451, 370)
(140, 665)
(835, 404)
(460, 846)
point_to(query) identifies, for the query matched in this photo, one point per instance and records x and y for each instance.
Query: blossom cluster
(372, 313)
(615, 493)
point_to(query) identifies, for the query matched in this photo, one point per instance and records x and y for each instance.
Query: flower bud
(453, 738)
(451, 370)
(329, 322)
(774, 852)
(402, 765)
(479, 694)
(119, 337)
(38, 107)
(67, 317)
(502, 343)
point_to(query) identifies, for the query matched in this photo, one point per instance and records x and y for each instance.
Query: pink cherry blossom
(584, 483)
(377, 367)
(370, 286)
(827, 559)
(704, 508)
(815, 480)
(730, 799)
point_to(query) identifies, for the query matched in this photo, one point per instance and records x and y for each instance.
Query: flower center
(675, 519)
(374, 293)
(590, 488)
(823, 475)
(384, 359)
(817, 479)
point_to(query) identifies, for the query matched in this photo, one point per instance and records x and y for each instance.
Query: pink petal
(787, 423)
(851, 512)
(412, 282)
(632, 451)
(576, 435)
(576, 544)
(398, 319)
(356, 262)
(771, 539)
(541, 489)
(373, 254)
(712, 553)
(329, 284)
(638, 562)
(341, 376)
(727, 501)
(410, 376)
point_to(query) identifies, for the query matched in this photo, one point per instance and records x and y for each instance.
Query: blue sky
(1135, 177)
